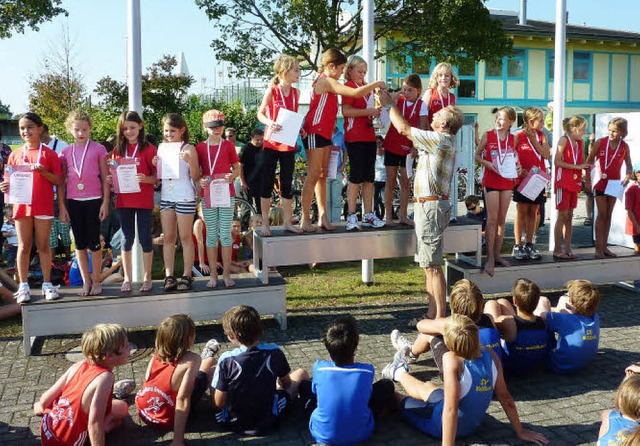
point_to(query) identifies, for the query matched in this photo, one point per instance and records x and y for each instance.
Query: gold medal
(604, 176)
(575, 176)
(80, 186)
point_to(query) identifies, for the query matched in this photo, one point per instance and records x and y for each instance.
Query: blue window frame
(581, 66)
(509, 67)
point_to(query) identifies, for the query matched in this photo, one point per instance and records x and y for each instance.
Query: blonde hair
(352, 62)
(331, 56)
(466, 299)
(101, 340)
(621, 125)
(453, 118)
(509, 112)
(443, 67)
(175, 337)
(276, 216)
(461, 336)
(574, 122)
(531, 114)
(628, 397)
(584, 297)
(281, 67)
(527, 295)
(75, 116)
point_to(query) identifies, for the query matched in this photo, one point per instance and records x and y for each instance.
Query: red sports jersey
(217, 159)
(437, 102)
(527, 154)
(495, 151)
(42, 193)
(321, 117)
(278, 101)
(396, 143)
(610, 157)
(156, 401)
(66, 423)
(357, 128)
(570, 179)
(632, 202)
(144, 160)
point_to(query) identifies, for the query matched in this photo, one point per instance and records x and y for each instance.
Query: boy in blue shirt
(245, 394)
(524, 335)
(343, 400)
(576, 324)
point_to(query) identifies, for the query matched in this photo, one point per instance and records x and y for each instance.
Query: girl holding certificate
(220, 165)
(37, 169)
(281, 95)
(532, 149)
(318, 126)
(87, 193)
(569, 163)
(178, 202)
(497, 154)
(135, 177)
(611, 152)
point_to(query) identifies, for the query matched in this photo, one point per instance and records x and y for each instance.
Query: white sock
(24, 285)
(398, 373)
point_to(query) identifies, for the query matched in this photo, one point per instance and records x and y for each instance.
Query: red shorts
(566, 200)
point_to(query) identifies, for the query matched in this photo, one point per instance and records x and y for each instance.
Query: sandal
(170, 283)
(184, 283)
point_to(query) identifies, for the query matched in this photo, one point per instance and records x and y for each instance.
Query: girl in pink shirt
(85, 166)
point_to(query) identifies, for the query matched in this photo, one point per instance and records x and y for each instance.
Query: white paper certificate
(533, 184)
(615, 189)
(291, 123)
(333, 164)
(127, 181)
(20, 187)
(219, 195)
(507, 168)
(169, 165)
(409, 165)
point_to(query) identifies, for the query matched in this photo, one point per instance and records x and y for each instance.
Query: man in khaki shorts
(432, 183)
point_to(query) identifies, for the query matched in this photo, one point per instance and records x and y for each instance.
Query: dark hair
(36, 119)
(176, 121)
(243, 323)
(526, 295)
(341, 340)
(257, 132)
(121, 144)
(107, 145)
(331, 56)
(413, 80)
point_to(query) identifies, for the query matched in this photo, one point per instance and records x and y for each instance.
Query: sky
(98, 30)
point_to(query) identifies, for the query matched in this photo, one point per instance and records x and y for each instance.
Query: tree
(15, 15)
(253, 32)
(4, 110)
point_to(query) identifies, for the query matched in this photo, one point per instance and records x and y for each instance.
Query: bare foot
(406, 222)
(125, 287)
(86, 290)
(390, 223)
(600, 255)
(146, 286)
(489, 269)
(228, 281)
(609, 253)
(307, 227)
(560, 255)
(571, 255)
(212, 283)
(326, 224)
(502, 261)
(96, 290)
(265, 231)
(291, 228)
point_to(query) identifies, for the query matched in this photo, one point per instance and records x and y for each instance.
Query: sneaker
(402, 344)
(352, 222)
(372, 220)
(49, 291)
(211, 349)
(123, 388)
(23, 294)
(519, 253)
(531, 251)
(389, 370)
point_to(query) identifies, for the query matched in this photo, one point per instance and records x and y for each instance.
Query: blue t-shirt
(619, 429)
(528, 350)
(342, 416)
(489, 335)
(577, 341)
(75, 278)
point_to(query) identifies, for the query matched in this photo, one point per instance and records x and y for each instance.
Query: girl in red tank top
(281, 95)
(318, 127)
(176, 378)
(569, 163)
(532, 149)
(438, 95)
(496, 153)
(611, 152)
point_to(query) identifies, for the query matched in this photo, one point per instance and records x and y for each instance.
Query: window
(581, 66)
(494, 69)
(515, 65)
(551, 65)
(467, 88)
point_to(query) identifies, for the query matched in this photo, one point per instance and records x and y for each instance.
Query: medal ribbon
(24, 154)
(126, 153)
(574, 151)
(501, 157)
(413, 110)
(533, 148)
(75, 163)
(442, 100)
(215, 161)
(607, 163)
(293, 98)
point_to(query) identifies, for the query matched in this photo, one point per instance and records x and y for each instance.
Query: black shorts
(598, 193)
(315, 141)
(438, 348)
(636, 239)
(519, 198)
(393, 160)
(362, 161)
(85, 223)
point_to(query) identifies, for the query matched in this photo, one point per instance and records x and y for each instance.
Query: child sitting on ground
(621, 423)
(245, 395)
(465, 299)
(79, 405)
(576, 323)
(477, 213)
(457, 410)
(524, 335)
(176, 378)
(343, 397)
(11, 238)
(247, 239)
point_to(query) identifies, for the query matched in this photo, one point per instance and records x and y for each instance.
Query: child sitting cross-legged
(252, 383)
(575, 323)
(471, 375)
(620, 425)
(343, 400)
(524, 335)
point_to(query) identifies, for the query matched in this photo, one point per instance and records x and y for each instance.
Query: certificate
(333, 163)
(217, 195)
(20, 184)
(291, 122)
(507, 168)
(409, 165)
(534, 183)
(596, 175)
(615, 189)
(123, 176)
(169, 160)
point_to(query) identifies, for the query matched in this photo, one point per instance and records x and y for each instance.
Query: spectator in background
(379, 180)
(5, 151)
(231, 134)
(335, 184)
(548, 120)
(11, 236)
(252, 162)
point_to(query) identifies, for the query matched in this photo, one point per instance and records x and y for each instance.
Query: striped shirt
(436, 160)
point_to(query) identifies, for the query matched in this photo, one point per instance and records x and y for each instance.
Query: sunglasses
(472, 208)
